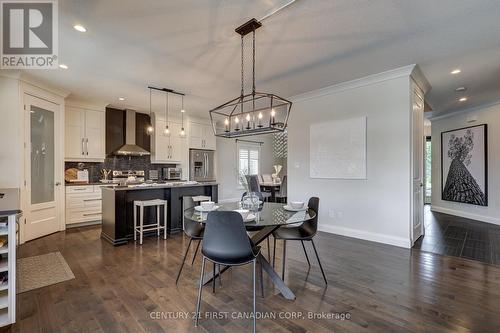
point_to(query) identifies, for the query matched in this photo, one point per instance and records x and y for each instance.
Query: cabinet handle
(79, 189)
(83, 146)
(90, 214)
(87, 146)
(92, 199)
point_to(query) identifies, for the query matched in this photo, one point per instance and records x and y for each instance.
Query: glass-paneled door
(42, 167)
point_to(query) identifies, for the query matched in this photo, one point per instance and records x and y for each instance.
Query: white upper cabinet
(84, 134)
(201, 136)
(168, 148)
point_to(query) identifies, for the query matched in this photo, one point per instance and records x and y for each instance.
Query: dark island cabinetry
(118, 207)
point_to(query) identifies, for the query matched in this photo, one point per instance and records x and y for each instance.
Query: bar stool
(141, 228)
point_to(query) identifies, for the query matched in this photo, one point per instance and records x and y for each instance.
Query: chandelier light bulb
(167, 131)
(260, 115)
(149, 129)
(273, 120)
(237, 120)
(248, 117)
(183, 132)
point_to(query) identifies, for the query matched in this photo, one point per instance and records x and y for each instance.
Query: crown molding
(459, 112)
(420, 79)
(97, 106)
(10, 73)
(26, 78)
(405, 71)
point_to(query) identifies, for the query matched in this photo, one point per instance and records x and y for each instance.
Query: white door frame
(415, 89)
(58, 100)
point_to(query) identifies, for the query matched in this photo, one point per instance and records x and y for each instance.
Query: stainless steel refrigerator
(201, 165)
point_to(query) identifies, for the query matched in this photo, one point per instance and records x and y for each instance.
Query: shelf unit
(8, 264)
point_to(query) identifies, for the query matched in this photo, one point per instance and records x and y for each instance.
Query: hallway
(460, 237)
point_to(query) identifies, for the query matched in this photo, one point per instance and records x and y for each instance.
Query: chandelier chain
(253, 64)
(242, 65)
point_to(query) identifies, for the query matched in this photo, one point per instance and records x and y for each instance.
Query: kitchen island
(118, 206)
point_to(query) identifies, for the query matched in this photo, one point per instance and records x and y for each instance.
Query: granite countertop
(158, 185)
(87, 184)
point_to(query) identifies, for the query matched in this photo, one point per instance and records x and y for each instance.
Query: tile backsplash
(119, 163)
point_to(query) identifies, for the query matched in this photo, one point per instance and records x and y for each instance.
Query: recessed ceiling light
(463, 99)
(79, 27)
(461, 89)
(63, 66)
(456, 71)
(121, 98)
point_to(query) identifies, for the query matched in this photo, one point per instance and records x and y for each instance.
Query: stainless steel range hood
(130, 148)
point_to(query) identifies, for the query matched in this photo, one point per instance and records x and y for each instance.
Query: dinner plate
(291, 209)
(250, 218)
(200, 209)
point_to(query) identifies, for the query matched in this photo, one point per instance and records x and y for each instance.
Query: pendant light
(167, 130)
(169, 91)
(149, 128)
(183, 132)
(254, 113)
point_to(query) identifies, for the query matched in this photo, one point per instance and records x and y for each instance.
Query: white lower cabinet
(83, 204)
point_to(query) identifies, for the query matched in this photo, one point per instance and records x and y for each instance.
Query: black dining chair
(254, 186)
(281, 196)
(305, 232)
(226, 243)
(194, 231)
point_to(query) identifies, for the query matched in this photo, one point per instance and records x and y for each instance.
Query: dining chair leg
(183, 260)
(261, 277)
(195, 252)
(220, 275)
(198, 303)
(320, 266)
(305, 252)
(254, 300)
(283, 261)
(213, 280)
(268, 249)
(274, 251)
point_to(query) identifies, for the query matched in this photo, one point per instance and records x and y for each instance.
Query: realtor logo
(29, 34)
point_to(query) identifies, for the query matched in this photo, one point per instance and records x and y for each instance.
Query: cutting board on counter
(71, 176)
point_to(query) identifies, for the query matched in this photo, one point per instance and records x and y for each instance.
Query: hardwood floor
(381, 288)
(460, 237)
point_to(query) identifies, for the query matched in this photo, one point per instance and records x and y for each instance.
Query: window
(248, 159)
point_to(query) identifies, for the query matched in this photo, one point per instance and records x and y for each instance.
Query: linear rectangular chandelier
(254, 113)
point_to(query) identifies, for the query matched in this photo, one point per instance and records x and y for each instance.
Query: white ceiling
(191, 46)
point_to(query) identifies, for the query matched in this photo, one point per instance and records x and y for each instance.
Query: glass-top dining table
(268, 218)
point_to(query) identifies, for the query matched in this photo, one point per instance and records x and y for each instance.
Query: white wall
(227, 167)
(377, 208)
(10, 133)
(489, 115)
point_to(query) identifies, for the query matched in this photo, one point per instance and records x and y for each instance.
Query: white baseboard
(472, 216)
(366, 235)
